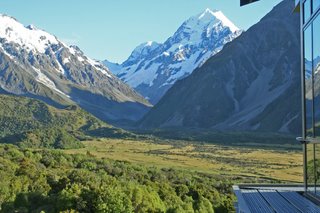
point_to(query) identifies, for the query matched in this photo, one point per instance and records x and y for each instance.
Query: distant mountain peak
(152, 68)
(150, 43)
(225, 21)
(207, 13)
(142, 50)
(214, 16)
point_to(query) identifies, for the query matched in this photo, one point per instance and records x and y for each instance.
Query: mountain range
(152, 68)
(253, 83)
(36, 64)
(209, 74)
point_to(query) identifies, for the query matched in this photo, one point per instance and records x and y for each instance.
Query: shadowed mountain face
(36, 64)
(252, 84)
(153, 68)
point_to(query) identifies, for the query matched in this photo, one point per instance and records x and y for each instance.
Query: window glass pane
(308, 81)
(306, 10)
(316, 165)
(316, 73)
(316, 4)
(316, 83)
(311, 168)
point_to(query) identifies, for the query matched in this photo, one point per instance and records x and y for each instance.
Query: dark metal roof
(255, 202)
(278, 202)
(273, 199)
(296, 8)
(244, 2)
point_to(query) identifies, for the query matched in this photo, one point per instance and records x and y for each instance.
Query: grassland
(240, 164)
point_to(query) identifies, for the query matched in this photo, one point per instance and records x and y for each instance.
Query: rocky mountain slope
(153, 68)
(36, 64)
(252, 84)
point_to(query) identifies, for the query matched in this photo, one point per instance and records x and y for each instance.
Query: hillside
(32, 123)
(252, 84)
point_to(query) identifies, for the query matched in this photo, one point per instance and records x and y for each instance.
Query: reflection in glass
(311, 180)
(316, 91)
(309, 107)
(308, 81)
(317, 167)
(306, 10)
(316, 74)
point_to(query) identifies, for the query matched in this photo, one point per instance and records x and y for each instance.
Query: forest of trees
(51, 181)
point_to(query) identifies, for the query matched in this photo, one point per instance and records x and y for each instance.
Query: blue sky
(111, 29)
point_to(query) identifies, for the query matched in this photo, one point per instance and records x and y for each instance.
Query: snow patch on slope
(42, 78)
(99, 67)
(144, 76)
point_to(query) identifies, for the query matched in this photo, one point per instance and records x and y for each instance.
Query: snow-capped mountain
(153, 68)
(252, 84)
(35, 63)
